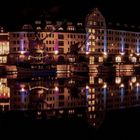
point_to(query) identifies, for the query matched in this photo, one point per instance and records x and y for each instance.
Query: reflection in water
(58, 96)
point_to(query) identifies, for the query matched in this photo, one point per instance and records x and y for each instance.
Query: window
(61, 50)
(61, 97)
(93, 31)
(90, 22)
(100, 59)
(61, 43)
(91, 60)
(118, 59)
(60, 36)
(94, 23)
(89, 30)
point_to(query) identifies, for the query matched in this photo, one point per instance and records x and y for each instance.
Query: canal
(71, 106)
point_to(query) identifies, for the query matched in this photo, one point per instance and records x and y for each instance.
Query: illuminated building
(4, 45)
(4, 95)
(57, 39)
(72, 97)
(117, 43)
(99, 40)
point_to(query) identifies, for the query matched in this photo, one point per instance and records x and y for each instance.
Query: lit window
(100, 59)
(91, 79)
(93, 43)
(93, 30)
(118, 59)
(89, 30)
(93, 96)
(93, 102)
(89, 96)
(89, 108)
(89, 102)
(91, 60)
(93, 108)
(133, 79)
(118, 80)
(93, 90)
(90, 22)
(133, 59)
(100, 80)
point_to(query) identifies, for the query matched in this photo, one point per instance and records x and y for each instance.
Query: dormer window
(70, 28)
(60, 29)
(90, 22)
(79, 24)
(94, 23)
(38, 28)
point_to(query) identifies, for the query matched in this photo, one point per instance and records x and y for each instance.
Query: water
(87, 107)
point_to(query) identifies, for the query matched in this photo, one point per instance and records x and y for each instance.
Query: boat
(36, 69)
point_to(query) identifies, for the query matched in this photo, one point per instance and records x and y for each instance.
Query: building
(4, 45)
(4, 95)
(56, 37)
(116, 43)
(96, 39)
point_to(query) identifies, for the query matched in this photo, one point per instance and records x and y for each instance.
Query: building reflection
(56, 96)
(4, 95)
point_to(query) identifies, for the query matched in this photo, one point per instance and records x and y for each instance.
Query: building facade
(98, 40)
(123, 42)
(4, 45)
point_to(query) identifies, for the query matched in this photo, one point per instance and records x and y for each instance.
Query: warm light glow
(38, 113)
(89, 109)
(137, 84)
(122, 85)
(104, 85)
(89, 96)
(118, 59)
(56, 52)
(91, 79)
(61, 111)
(22, 52)
(118, 80)
(87, 87)
(105, 53)
(87, 52)
(22, 89)
(56, 89)
(137, 54)
(130, 83)
(93, 96)
(100, 80)
(122, 53)
(41, 91)
(93, 108)
(131, 55)
(93, 102)
(133, 79)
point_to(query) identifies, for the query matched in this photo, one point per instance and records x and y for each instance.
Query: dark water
(63, 106)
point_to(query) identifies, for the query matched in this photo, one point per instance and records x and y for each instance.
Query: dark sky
(26, 10)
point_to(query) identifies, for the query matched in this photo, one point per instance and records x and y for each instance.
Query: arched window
(118, 59)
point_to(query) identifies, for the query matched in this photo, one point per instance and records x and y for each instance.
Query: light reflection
(133, 79)
(118, 80)
(80, 97)
(56, 88)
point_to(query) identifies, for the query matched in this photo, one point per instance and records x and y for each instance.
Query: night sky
(25, 11)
